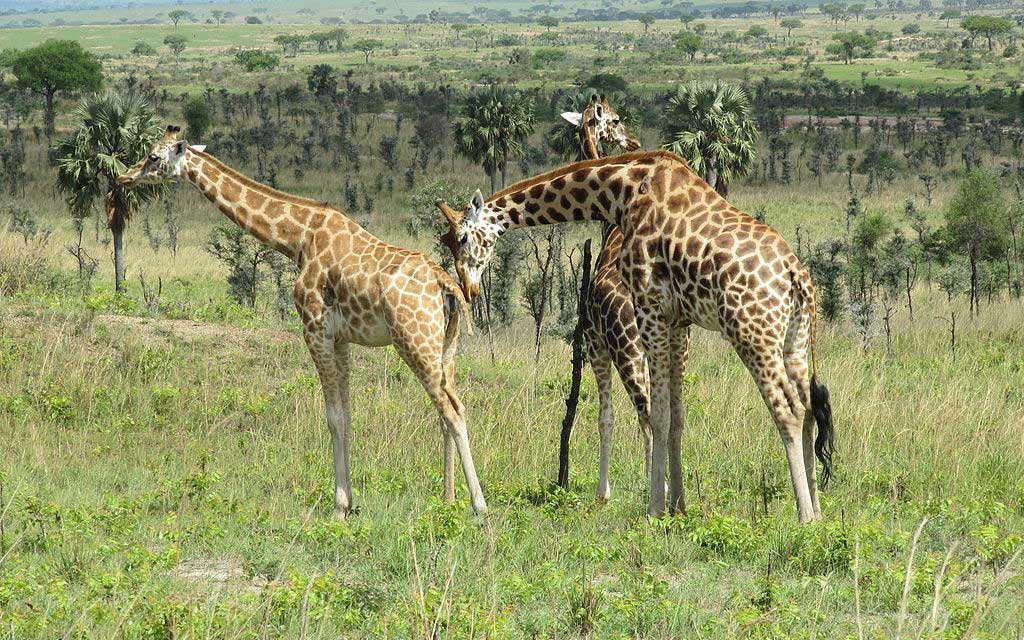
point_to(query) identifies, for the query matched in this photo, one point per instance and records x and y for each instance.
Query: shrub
(256, 60)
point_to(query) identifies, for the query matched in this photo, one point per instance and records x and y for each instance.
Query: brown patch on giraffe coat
(231, 190)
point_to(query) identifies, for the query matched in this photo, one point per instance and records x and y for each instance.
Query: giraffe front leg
(449, 442)
(332, 364)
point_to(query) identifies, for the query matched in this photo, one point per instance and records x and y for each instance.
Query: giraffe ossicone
(352, 288)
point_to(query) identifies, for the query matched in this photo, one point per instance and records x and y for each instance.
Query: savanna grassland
(165, 466)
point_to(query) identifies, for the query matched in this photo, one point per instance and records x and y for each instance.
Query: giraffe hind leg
(427, 364)
(795, 358)
(781, 397)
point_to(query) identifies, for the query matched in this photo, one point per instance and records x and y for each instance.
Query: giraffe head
(471, 239)
(604, 122)
(165, 161)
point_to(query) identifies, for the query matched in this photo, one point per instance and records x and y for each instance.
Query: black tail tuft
(824, 443)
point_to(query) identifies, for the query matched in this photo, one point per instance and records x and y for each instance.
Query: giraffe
(598, 123)
(609, 326)
(689, 258)
(352, 288)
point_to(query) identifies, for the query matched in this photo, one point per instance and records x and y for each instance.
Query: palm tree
(491, 131)
(708, 124)
(114, 132)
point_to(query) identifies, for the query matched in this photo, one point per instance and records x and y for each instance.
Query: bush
(143, 49)
(256, 60)
(548, 56)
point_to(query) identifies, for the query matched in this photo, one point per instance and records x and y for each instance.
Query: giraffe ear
(573, 118)
(477, 203)
(198, 147)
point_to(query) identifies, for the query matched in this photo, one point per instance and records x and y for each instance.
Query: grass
(175, 479)
(166, 469)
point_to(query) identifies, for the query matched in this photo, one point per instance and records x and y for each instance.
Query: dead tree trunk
(577, 371)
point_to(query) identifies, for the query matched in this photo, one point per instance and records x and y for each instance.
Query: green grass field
(165, 467)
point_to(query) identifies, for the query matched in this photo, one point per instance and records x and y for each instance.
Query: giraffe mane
(587, 164)
(249, 182)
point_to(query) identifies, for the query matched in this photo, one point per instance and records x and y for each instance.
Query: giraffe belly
(368, 330)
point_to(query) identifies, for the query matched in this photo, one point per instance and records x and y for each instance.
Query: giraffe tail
(821, 404)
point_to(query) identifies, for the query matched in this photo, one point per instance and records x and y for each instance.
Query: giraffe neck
(593, 190)
(274, 218)
(589, 136)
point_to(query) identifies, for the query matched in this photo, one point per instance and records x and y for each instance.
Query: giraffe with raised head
(609, 326)
(689, 258)
(352, 288)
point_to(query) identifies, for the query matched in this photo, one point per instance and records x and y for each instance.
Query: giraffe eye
(615, 121)
(463, 238)
(153, 157)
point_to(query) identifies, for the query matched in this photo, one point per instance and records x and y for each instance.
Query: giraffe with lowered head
(689, 258)
(352, 288)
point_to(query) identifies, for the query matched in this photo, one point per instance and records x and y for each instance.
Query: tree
(113, 132)
(987, 26)
(789, 24)
(491, 131)
(836, 12)
(476, 34)
(647, 20)
(976, 223)
(949, 14)
(709, 124)
(856, 10)
(176, 43)
(57, 65)
(290, 44)
(339, 36)
(176, 15)
(367, 46)
(850, 44)
(322, 81)
(548, 22)
(458, 28)
(910, 29)
(197, 117)
(688, 43)
(218, 16)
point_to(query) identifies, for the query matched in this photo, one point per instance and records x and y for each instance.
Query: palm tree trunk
(116, 222)
(494, 181)
(118, 234)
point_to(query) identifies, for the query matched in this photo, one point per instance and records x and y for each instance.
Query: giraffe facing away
(352, 288)
(689, 258)
(613, 339)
